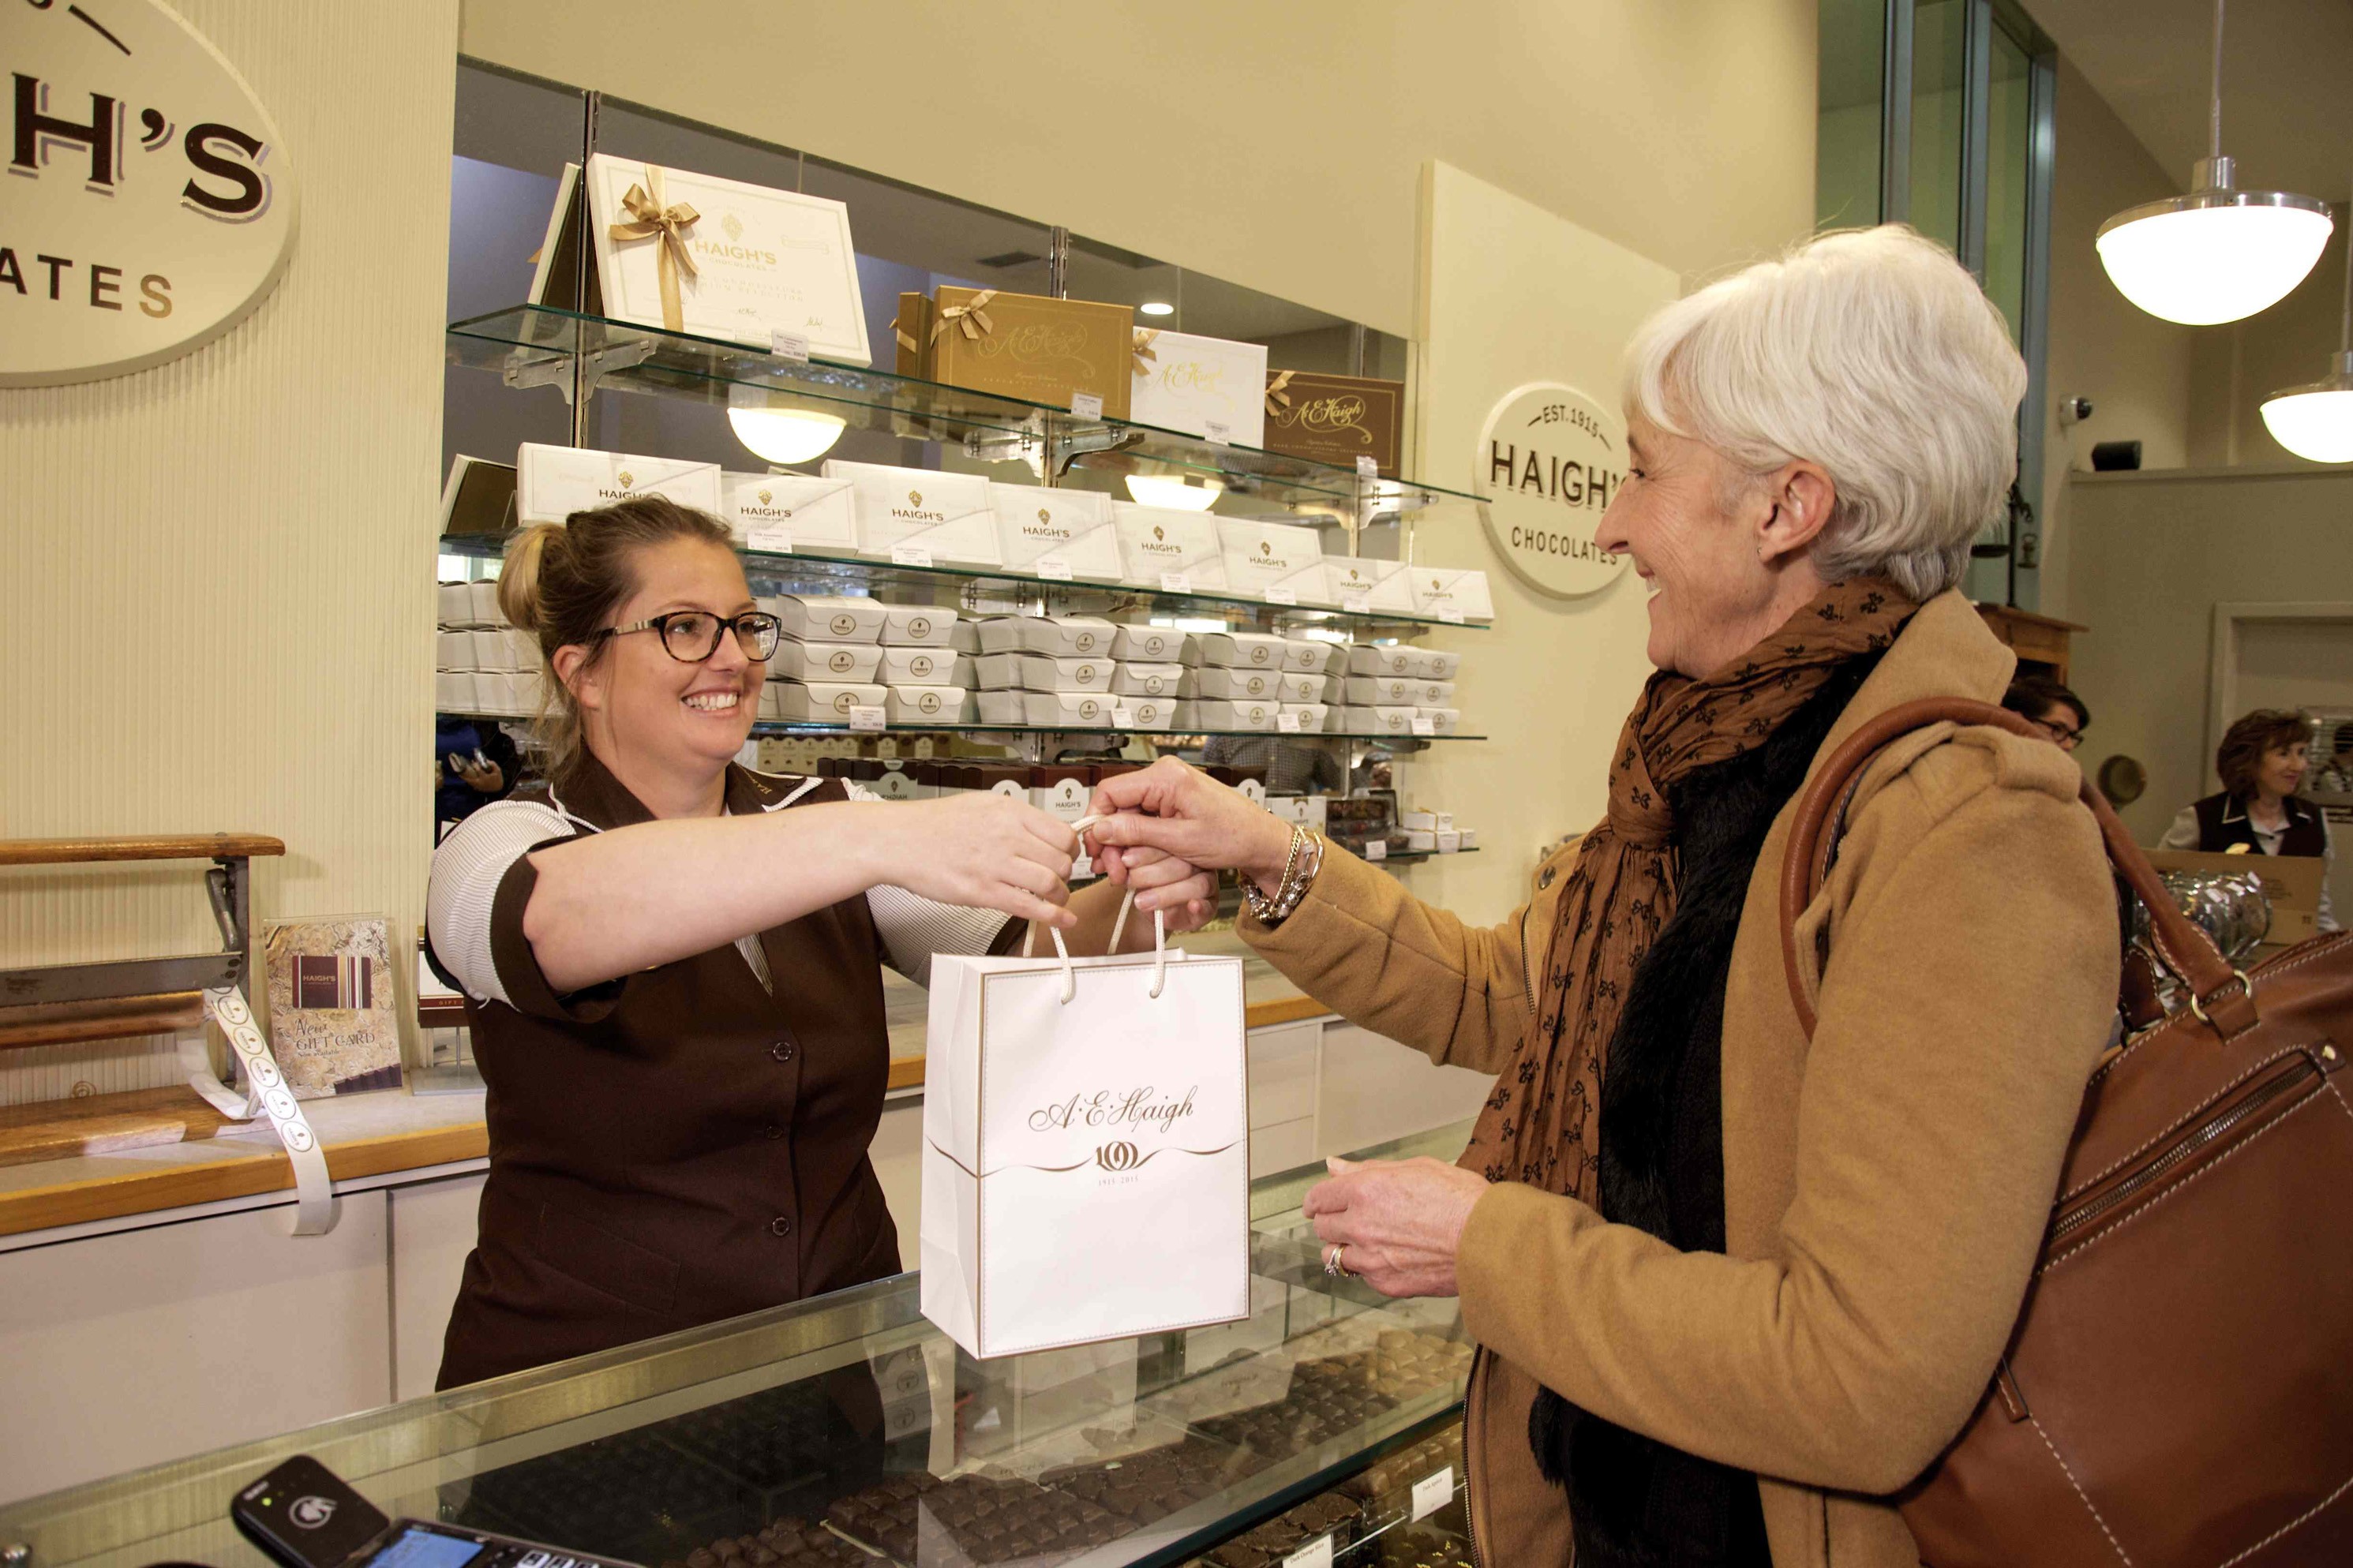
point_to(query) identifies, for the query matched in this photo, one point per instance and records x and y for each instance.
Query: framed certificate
(762, 261)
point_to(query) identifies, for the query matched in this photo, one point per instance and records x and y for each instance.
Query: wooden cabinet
(2040, 642)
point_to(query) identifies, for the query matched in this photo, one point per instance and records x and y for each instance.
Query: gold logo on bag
(1118, 1157)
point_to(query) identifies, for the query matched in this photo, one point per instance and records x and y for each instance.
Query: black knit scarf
(1636, 1503)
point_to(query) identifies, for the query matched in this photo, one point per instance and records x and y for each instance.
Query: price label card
(1317, 1554)
(1366, 468)
(1357, 604)
(789, 345)
(1282, 596)
(1376, 849)
(909, 555)
(1053, 568)
(1288, 723)
(1218, 432)
(1123, 718)
(772, 540)
(1433, 1492)
(866, 721)
(1452, 617)
(1176, 583)
(1424, 726)
(1086, 404)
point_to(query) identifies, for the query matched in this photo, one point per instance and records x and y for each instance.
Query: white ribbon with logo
(1086, 1154)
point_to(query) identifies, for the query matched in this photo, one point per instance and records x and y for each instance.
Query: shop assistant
(674, 965)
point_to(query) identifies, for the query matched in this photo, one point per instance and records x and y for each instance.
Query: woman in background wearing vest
(673, 965)
(2263, 761)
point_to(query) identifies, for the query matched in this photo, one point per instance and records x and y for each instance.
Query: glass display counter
(847, 1430)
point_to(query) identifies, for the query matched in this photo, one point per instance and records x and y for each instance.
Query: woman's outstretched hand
(1176, 809)
(983, 850)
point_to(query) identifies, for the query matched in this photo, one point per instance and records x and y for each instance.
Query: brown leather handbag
(2179, 1390)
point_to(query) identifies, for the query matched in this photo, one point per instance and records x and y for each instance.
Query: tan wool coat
(1886, 1184)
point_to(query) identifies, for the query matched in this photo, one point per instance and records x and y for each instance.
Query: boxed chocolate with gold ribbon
(1019, 345)
(1336, 418)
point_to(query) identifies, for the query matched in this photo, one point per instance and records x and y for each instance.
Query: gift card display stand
(75, 1002)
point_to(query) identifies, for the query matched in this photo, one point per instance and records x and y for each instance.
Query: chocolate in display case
(846, 1429)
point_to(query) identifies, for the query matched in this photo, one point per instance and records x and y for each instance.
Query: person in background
(2263, 760)
(2050, 706)
(473, 765)
(1292, 767)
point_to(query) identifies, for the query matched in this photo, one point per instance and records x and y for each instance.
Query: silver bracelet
(1299, 869)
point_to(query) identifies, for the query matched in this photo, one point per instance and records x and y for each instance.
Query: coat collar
(1944, 650)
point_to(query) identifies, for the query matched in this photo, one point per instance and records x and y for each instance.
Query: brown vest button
(782, 1050)
(780, 1225)
(773, 1131)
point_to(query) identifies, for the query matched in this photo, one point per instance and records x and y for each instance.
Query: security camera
(2073, 410)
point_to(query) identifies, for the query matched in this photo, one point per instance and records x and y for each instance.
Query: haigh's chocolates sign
(1550, 462)
(151, 204)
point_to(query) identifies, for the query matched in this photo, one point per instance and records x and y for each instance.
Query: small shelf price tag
(1424, 725)
(1357, 604)
(789, 345)
(1216, 432)
(771, 541)
(1433, 1492)
(1053, 568)
(1176, 583)
(1123, 717)
(1366, 467)
(1287, 723)
(1452, 617)
(1086, 404)
(1376, 848)
(909, 555)
(1317, 1554)
(866, 721)
(1282, 596)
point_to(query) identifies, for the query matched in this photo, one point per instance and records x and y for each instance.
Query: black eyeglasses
(692, 636)
(2059, 731)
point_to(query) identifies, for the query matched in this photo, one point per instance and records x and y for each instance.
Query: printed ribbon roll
(667, 227)
(969, 316)
(1277, 400)
(1141, 347)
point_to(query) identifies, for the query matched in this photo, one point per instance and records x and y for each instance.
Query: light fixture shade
(2316, 422)
(1157, 308)
(781, 435)
(2213, 256)
(1175, 490)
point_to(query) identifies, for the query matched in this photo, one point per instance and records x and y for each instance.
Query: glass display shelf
(850, 1416)
(782, 728)
(535, 346)
(812, 574)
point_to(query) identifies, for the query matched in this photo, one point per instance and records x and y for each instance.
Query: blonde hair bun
(519, 577)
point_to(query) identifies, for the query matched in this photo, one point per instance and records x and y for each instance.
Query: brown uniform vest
(2223, 825)
(677, 1146)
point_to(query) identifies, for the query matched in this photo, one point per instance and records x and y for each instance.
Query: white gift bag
(1086, 1148)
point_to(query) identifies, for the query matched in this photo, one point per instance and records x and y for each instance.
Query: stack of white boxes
(480, 663)
(840, 654)
(1390, 686)
(1051, 671)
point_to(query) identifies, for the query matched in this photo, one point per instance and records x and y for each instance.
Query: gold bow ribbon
(968, 316)
(667, 227)
(1277, 400)
(909, 344)
(1141, 347)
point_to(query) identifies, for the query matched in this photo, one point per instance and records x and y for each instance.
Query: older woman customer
(1733, 1288)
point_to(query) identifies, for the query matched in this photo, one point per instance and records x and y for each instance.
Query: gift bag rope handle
(1118, 925)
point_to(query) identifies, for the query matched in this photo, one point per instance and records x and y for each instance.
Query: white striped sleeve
(913, 927)
(468, 867)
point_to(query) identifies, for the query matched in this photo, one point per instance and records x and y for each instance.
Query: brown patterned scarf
(1540, 1125)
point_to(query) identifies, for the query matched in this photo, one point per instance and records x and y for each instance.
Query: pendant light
(779, 433)
(2220, 253)
(2316, 421)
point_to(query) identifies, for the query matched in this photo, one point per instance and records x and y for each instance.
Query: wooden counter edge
(265, 1169)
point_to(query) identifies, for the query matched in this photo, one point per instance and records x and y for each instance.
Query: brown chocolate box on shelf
(1336, 418)
(1019, 345)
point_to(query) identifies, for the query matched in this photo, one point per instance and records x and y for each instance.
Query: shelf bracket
(555, 370)
(1067, 444)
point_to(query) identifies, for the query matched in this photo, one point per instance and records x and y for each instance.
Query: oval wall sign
(150, 200)
(1548, 463)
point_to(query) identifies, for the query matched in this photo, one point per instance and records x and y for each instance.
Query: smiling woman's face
(1683, 514)
(647, 709)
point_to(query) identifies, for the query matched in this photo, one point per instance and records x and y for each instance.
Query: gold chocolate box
(1335, 418)
(1019, 345)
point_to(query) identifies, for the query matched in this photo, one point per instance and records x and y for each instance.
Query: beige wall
(2154, 555)
(1276, 146)
(2135, 368)
(217, 609)
(2235, 367)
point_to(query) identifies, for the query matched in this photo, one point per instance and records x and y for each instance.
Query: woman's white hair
(1871, 353)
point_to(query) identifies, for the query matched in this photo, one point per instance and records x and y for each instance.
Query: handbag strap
(2220, 995)
(1118, 926)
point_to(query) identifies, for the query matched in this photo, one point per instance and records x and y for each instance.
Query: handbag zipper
(2195, 1142)
(1470, 1424)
